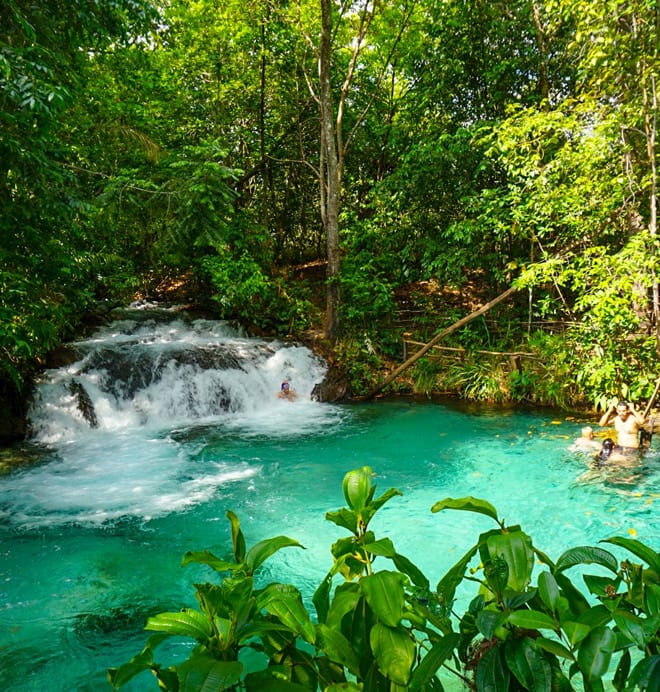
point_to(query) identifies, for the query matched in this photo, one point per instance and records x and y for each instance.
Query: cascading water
(154, 372)
(116, 410)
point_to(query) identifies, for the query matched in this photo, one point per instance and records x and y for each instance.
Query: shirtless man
(286, 392)
(627, 423)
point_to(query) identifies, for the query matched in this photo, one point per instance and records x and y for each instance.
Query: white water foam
(148, 385)
(157, 376)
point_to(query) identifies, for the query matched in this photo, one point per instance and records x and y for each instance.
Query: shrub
(383, 627)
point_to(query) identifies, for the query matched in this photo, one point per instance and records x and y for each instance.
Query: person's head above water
(608, 448)
(588, 432)
(285, 386)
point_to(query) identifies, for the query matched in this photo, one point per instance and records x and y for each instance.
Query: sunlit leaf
(384, 593)
(394, 650)
(261, 551)
(187, 623)
(587, 555)
(467, 504)
(203, 673)
(649, 556)
(532, 620)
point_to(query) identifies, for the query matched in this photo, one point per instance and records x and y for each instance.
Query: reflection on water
(92, 536)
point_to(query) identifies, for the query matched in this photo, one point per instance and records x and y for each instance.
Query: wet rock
(130, 370)
(63, 355)
(85, 405)
(333, 388)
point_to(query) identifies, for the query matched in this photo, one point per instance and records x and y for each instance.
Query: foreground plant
(386, 629)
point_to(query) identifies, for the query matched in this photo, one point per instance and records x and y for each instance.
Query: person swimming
(606, 451)
(286, 392)
(586, 442)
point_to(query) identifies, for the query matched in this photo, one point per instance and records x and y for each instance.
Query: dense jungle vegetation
(430, 153)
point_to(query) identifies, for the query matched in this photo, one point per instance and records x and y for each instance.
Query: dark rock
(63, 355)
(333, 388)
(85, 405)
(13, 414)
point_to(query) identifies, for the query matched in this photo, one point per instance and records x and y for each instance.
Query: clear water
(91, 537)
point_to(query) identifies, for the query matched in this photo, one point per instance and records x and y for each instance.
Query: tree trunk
(650, 126)
(329, 175)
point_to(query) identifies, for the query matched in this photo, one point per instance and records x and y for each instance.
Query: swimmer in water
(286, 392)
(586, 442)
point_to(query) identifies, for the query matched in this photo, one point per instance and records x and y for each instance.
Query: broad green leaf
(646, 675)
(403, 564)
(383, 547)
(203, 673)
(337, 648)
(187, 623)
(586, 555)
(467, 504)
(488, 621)
(515, 548)
(384, 592)
(599, 586)
(648, 555)
(630, 626)
(554, 647)
(206, 557)
(447, 586)
(575, 598)
(597, 616)
(432, 660)
(394, 650)
(240, 596)
(237, 538)
(344, 546)
(259, 628)
(261, 551)
(285, 603)
(513, 600)
(356, 487)
(321, 598)
(492, 674)
(346, 518)
(528, 665)
(532, 620)
(343, 687)
(548, 591)
(652, 600)
(344, 600)
(595, 652)
(575, 631)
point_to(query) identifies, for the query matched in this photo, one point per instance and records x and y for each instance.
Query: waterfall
(158, 369)
(125, 427)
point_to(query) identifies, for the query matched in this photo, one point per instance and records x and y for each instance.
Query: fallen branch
(457, 325)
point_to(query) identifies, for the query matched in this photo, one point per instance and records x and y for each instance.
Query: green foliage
(358, 357)
(385, 627)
